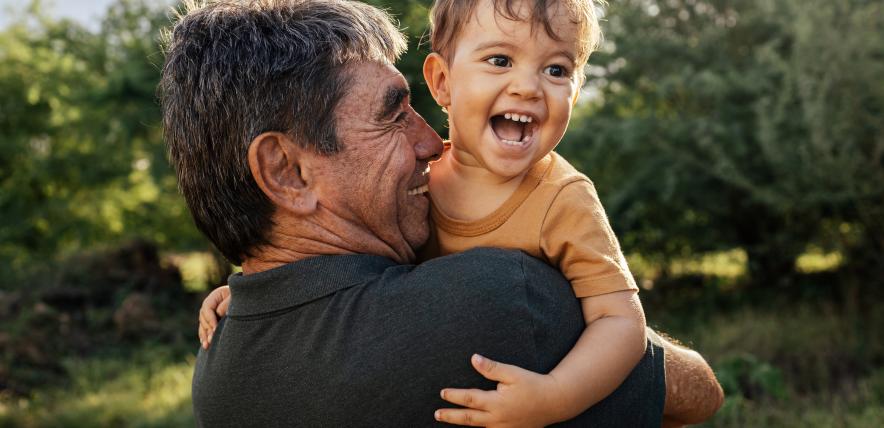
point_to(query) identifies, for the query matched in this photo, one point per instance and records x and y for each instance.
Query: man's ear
(436, 76)
(282, 170)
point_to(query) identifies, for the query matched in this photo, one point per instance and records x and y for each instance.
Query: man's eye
(401, 117)
(556, 70)
(498, 61)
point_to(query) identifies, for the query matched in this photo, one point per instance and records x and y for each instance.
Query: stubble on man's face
(378, 176)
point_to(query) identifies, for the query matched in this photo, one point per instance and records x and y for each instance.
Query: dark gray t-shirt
(358, 340)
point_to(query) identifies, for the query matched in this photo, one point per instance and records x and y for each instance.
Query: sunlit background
(737, 145)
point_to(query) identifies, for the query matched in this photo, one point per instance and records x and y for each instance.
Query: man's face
(378, 181)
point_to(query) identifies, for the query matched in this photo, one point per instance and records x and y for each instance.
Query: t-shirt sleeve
(577, 237)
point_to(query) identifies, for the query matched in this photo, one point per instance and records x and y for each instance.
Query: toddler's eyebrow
(506, 45)
(392, 100)
(494, 44)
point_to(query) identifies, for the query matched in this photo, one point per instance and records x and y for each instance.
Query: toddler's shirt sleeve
(577, 238)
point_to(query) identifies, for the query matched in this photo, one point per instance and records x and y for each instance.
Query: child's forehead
(558, 19)
(522, 20)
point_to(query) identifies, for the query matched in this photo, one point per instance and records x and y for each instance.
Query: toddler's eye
(498, 61)
(556, 70)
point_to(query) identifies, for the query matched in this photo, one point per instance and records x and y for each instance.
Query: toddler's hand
(523, 398)
(215, 303)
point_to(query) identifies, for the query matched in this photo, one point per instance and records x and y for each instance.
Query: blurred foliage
(754, 124)
(82, 161)
(148, 387)
(90, 303)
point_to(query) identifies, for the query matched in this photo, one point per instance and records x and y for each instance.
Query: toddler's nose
(525, 85)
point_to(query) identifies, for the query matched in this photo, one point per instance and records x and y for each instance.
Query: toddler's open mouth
(513, 129)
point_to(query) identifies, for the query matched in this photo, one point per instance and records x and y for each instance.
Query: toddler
(508, 72)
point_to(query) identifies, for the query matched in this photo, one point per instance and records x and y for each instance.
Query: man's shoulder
(486, 268)
(478, 262)
(482, 276)
(483, 282)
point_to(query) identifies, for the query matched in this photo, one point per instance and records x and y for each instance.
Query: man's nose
(427, 143)
(525, 84)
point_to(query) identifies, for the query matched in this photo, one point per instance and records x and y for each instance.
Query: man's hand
(522, 399)
(214, 306)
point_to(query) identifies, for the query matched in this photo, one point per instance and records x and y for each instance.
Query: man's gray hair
(236, 69)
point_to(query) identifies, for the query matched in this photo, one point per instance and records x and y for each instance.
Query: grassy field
(810, 355)
(147, 387)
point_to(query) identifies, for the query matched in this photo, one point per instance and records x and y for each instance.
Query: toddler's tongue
(507, 129)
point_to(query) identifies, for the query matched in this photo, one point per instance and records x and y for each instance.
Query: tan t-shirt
(554, 215)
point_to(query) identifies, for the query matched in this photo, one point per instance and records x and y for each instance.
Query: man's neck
(320, 237)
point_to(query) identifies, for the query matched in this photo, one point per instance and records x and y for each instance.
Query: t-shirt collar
(301, 282)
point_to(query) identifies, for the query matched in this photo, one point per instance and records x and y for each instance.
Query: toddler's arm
(610, 347)
(612, 344)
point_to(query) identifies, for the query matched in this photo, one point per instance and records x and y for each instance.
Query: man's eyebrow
(392, 100)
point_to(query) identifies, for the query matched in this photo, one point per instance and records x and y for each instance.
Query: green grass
(808, 365)
(150, 388)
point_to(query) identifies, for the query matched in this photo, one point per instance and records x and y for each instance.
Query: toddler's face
(511, 89)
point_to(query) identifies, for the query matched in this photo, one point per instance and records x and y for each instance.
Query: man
(301, 159)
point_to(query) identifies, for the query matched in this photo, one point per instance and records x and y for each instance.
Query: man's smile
(419, 190)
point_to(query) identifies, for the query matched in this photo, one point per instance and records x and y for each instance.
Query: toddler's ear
(580, 82)
(436, 76)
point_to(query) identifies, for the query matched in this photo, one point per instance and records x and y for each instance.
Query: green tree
(716, 124)
(81, 152)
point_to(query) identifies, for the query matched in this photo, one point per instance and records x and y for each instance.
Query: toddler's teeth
(507, 115)
(523, 119)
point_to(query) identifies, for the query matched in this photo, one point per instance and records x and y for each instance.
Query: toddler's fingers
(472, 398)
(208, 320)
(494, 370)
(222, 308)
(467, 417)
(201, 332)
(207, 312)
